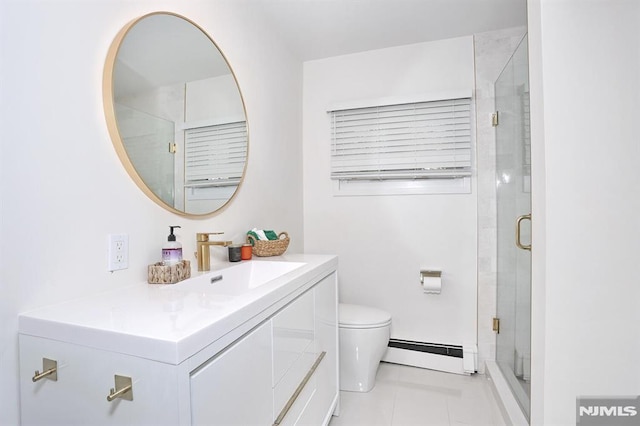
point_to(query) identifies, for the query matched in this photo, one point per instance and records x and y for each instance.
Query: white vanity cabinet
(325, 397)
(252, 381)
(316, 401)
(273, 360)
(305, 347)
(85, 378)
(234, 388)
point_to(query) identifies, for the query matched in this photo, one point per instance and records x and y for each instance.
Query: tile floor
(405, 396)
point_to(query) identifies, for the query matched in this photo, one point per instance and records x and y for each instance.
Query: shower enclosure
(146, 139)
(513, 179)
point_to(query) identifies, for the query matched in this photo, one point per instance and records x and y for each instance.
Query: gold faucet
(203, 244)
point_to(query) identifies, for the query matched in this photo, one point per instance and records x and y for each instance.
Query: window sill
(352, 188)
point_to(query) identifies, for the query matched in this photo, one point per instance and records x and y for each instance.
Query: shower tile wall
(492, 51)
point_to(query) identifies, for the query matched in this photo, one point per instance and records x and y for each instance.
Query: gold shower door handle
(518, 222)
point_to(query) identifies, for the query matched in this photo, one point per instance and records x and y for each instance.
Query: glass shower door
(513, 177)
(146, 139)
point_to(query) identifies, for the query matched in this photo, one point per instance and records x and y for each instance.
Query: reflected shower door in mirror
(175, 114)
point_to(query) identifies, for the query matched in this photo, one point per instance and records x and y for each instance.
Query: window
(404, 141)
(215, 155)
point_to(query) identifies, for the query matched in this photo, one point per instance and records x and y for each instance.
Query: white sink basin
(241, 278)
(171, 323)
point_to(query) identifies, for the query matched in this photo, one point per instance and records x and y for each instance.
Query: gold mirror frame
(112, 124)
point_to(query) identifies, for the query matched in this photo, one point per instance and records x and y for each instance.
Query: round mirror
(175, 114)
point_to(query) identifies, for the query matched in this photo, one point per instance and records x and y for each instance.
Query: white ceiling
(315, 29)
(311, 29)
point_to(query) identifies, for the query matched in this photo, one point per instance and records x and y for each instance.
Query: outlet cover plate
(118, 252)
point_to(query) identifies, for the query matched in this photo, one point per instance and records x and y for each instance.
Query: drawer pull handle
(298, 390)
(123, 389)
(49, 370)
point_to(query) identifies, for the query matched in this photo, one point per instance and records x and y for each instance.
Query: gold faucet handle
(204, 236)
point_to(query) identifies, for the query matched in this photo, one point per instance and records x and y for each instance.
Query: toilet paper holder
(429, 273)
(430, 280)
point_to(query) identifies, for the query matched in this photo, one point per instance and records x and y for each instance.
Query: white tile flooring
(406, 396)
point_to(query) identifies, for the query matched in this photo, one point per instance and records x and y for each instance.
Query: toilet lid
(357, 316)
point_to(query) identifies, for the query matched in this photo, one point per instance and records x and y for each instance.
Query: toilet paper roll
(432, 285)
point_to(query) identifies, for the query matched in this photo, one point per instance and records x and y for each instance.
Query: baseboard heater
(435, 356)
(431, 348)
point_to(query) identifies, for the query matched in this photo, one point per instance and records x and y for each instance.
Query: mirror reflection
(176, 114)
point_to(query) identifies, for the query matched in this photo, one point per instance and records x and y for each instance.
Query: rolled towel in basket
(258, 234)
(271, 235)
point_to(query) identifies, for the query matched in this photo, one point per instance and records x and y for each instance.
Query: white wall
(384, 241)
(215, 97)
(585, 98)
(63, 187)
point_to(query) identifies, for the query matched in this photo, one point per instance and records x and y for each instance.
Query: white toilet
(364, 336)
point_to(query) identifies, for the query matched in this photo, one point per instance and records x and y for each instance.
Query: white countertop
(171, 322)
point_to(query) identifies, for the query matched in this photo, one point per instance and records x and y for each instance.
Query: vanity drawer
(299, 409)
(317, 364)
(84, 379)
(317, 406)
(285, 389)
(326, 396)
(234, 387)
(293, 336)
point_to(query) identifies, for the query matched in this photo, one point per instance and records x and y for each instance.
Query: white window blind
(215, 155)
(406, 141)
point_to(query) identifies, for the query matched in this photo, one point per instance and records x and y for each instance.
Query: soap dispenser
(172, 250)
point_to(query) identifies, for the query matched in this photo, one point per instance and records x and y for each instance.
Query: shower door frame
(513, 203)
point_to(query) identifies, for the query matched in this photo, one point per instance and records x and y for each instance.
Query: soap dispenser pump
(172, 250)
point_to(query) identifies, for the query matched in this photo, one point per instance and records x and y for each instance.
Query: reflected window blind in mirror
(420, 140)
(215, 155)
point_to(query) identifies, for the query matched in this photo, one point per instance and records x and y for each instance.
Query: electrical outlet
(118, 252)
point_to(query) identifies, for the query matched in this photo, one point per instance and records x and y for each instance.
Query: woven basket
(264, 248)
(164, 274)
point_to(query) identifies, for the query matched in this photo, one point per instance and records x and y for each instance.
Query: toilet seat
(356, 316)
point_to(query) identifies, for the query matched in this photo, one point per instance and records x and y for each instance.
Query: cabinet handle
(49, 370)
(298, 390)
(123, 389)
